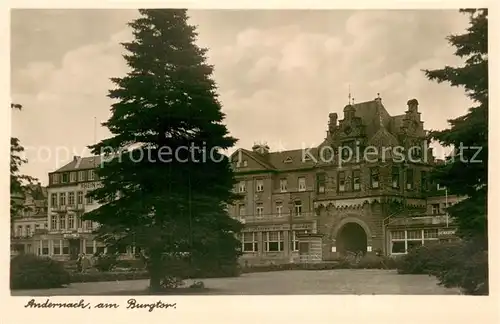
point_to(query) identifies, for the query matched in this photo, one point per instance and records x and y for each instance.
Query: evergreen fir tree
(467, 172)
(167, 183)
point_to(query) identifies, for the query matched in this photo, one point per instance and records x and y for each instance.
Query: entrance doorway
(352, 238)
(74, 248)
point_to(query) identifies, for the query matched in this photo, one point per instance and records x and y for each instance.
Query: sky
(279, 73)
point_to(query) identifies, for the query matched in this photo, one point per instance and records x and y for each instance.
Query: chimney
(412, 105)
(76, 158)
(260, 148)
(333, 120)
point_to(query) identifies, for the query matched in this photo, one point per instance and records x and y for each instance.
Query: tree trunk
(155, 271)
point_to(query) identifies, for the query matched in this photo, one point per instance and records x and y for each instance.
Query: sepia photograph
(170, 151)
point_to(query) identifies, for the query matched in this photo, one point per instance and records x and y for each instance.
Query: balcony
(275, 218)
(420, 220)
(76, 207)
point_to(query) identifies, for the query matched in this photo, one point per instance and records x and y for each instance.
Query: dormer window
(288, 160)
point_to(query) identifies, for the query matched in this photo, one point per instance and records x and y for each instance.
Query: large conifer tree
(467, 173)
(168, 194)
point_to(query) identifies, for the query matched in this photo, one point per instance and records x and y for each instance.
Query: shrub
(105, 262)
(130, 264)
(108, 276)
(28, 271)
(428, 259)
(461, 264)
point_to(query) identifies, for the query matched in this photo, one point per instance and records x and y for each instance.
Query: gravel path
(357, 282)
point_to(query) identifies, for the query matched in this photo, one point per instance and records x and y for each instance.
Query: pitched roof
(79, 163)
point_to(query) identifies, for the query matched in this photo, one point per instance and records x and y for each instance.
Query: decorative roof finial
(353, 100)
(349, 101)
(378, 95)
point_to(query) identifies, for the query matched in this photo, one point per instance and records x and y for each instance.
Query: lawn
(298, 282)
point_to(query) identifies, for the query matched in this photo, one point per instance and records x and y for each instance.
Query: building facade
(68, 235)
(31, 221)
(364, 189)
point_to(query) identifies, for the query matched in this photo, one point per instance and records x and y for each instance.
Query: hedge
(458, 264)
(28, 271)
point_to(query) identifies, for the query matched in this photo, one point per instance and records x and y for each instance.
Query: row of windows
(259, 185)
(259, 209)
(272, 241)
(61, 247)
(69, 222)
(28, 230)
(74, 176)
(404, 240)
(348, 180)
(68, 198)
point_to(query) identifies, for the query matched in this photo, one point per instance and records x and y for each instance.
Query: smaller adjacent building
(30, 222)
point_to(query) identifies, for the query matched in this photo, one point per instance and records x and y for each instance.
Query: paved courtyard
(358, 282)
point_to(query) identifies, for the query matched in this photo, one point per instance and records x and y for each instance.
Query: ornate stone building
(30, 221)
(365, 188)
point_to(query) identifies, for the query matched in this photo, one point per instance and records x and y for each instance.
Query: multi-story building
(30, 221)
(322, 202)
(68, 235)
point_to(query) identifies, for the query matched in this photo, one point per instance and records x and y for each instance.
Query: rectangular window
(374, 178)
(89, 249)
(62, 198)
(28, 230)
(259, 185)
(298, 208)
(89, 200)
(53, 222)
(430, 234)
(55, 178)
(71, 199)
(45, 247)
(53, 199)
(356, 180)
(71, 222)
(62, 223)
(395, 177)
(424, 181)
(320, 182)
(242, 186)
(241, 210)
(81, 175)
(283, 185)
(65, 247)
(341, 181)
(295, 239)
(279, 209)
(435, 209)
(79, 197)
(302, 184)
(19, 231)
(91, 175)
(65, 178)
(273, 241)
(409, 179)
(72, 177)
(249, 242)
(56, 248)
(89, 224)
(259, 209)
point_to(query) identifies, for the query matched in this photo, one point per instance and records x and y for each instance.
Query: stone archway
(351, 238)
(352, 234)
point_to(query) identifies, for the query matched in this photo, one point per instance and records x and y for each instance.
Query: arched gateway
(352, 235)
(352, 238)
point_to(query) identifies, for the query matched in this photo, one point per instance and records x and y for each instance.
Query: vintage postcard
(163, 154)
